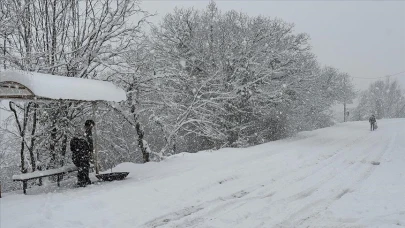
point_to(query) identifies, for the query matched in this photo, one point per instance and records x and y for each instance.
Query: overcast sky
(362, 38)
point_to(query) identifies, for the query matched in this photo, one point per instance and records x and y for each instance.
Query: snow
(27, 176)
(35, 174)
(59, 87)
(183, 63)
(322, 178)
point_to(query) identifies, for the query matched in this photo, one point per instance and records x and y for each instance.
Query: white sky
(362, 38)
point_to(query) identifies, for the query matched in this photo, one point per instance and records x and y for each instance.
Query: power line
(379, 77)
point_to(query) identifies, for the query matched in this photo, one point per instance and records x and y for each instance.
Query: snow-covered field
(323, 178)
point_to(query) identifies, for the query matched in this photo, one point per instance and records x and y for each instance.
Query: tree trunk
(22, 160)
(138, 128)
(145, 152)
(63, 152)
(52, 146)
(21, 130)
(32, 146)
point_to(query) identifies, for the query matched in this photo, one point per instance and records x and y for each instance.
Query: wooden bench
(59, 172)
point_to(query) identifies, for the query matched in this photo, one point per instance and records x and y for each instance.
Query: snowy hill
(323, 178)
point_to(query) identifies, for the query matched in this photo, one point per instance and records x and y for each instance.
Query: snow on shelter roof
(32, 85)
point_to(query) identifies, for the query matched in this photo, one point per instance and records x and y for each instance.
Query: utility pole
(344, 99)
(344, 111)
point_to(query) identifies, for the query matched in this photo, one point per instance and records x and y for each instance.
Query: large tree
(231, 79)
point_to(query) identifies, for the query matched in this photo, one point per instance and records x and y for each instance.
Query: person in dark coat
(372, 121)
(81, 158)
(82, 149)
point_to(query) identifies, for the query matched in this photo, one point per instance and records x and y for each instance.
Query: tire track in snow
(185, 212)
(304, 208)
(366, 171)
(325, 179)
(195, 215)
(317, 167)
(238, 198)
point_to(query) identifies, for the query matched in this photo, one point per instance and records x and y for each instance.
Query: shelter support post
(25, 185)
(95, 150)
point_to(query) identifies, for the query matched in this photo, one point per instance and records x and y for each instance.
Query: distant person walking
(372, 121)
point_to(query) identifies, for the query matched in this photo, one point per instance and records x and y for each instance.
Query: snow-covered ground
(323, 178)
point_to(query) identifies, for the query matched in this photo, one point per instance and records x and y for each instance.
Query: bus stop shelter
(32, 86)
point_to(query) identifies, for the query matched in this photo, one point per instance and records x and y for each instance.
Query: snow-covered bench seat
(59, 172)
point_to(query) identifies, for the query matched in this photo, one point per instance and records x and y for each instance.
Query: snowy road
(324, 178)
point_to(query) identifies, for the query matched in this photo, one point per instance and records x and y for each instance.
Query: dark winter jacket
(80, 152)
(372, 119)
(89, 138)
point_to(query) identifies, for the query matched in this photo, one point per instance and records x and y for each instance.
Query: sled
(375, 163)
(112, 176)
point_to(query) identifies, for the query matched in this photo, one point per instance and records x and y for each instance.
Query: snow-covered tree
(384, 99)
(135, 73)
(231, 79)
